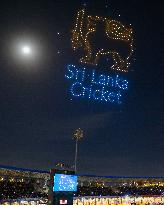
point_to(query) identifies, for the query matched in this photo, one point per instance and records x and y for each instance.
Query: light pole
(78, 135)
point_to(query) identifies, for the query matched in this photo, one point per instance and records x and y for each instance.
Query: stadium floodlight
(78, 135)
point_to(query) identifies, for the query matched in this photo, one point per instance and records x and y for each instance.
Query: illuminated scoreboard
(63, 185)
(63, 182)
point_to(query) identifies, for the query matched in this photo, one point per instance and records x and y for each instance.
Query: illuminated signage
(63, 201)
(63, 182)
(87, 83)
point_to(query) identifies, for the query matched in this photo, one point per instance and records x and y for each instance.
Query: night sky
(37, 115)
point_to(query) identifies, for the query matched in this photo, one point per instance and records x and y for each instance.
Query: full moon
(26, 50)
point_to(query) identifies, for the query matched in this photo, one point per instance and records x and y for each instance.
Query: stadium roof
(22, 169)
(124, 177)
(81, 175)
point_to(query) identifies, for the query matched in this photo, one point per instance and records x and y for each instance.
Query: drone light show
(94, 86)
(90, 82)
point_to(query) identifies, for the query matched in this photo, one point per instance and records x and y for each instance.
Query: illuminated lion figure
(113, 30)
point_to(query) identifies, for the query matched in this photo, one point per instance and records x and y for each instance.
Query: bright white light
(126, 197)
(26, 50)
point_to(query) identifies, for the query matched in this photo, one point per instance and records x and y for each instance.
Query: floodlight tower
(78, 135)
